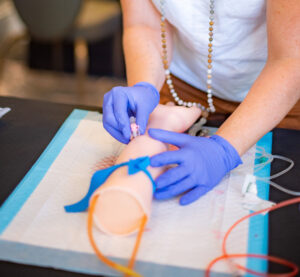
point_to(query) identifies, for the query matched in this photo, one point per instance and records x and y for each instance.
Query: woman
(234, 51)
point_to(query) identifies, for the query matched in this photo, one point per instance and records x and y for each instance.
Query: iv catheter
(134, 128)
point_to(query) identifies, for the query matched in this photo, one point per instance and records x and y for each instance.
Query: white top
(239, 45)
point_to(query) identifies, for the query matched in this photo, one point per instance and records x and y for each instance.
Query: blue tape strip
(34, 176)
(258, 225)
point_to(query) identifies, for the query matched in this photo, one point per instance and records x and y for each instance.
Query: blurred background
(67, 51)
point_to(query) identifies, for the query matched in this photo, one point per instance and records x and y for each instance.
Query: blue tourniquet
(134, 166)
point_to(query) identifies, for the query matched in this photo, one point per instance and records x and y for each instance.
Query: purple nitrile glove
(201, 164)
(122, 102)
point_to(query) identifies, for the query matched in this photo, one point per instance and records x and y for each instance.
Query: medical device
(135, 129)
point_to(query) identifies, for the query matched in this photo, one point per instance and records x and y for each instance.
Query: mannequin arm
(124, 199)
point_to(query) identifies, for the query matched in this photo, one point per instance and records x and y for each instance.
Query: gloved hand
(201, 164)
(122, 102)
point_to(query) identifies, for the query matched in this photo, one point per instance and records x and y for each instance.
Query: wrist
(148, 86)
(231, 155)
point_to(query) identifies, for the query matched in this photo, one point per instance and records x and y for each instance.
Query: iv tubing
(263, 154)
(126, 270)
(225, 255)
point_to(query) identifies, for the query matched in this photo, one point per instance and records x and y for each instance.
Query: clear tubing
(287, 191)
(261, 153)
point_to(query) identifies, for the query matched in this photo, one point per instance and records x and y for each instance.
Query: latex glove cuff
(149, 86)
(232, 158)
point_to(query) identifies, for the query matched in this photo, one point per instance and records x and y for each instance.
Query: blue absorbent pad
(179, 241)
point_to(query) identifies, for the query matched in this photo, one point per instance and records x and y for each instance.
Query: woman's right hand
(122, 102)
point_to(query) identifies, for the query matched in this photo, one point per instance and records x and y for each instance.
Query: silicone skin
(123, 200)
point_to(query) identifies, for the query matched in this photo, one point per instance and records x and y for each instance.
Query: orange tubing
(126, 270)
(225, 255)
(137, 243)
(129, 272)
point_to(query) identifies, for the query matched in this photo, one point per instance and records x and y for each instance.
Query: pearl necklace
(180, 102)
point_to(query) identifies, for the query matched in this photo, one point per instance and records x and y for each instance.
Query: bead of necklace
(177, 99)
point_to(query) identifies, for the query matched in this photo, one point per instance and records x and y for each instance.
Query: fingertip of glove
(157, 196)
(123, 140)
(160, 184)
(126, 133)
(162, 195)
(152, 132)
(154, 162)
(183, 201)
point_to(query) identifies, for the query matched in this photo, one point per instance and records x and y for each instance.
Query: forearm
(273, 94)
(142, 49)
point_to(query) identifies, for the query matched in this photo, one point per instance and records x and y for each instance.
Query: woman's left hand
(201, 164)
